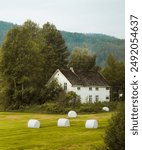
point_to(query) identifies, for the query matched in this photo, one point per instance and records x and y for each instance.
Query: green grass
(14, 134)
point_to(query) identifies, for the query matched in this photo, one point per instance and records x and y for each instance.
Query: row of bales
(65, 122)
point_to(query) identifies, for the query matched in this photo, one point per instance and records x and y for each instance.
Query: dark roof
(89, 78)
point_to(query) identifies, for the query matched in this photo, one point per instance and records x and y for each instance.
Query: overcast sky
(86, 16)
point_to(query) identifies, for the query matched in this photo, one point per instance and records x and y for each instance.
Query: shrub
(70, 99)
(51, 91)
(97, 107)
(115, 134)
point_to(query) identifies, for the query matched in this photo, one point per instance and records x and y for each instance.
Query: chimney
(71, 68)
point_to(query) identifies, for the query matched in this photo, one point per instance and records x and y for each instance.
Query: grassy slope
(14, 134)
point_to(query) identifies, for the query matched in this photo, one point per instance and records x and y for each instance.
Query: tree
(82, 59)
(29, 56)
(54, 51)
(114, 72)
(20, 63)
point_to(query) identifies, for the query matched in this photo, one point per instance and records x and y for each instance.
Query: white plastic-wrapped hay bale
(62, 122)
(105, 109)
(91, 123)
(32, 123)
(72, 114)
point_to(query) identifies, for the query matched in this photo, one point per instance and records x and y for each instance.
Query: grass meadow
(14, 134)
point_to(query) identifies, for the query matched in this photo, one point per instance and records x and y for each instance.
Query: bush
(70, 99)
(115, 134)
(60, 107)
(97, 107)
(48, 108)
(51, 91)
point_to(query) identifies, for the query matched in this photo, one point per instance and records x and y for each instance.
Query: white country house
(91, 86)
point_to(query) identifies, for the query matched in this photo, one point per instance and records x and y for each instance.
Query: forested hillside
(4, 27)
(101, 45)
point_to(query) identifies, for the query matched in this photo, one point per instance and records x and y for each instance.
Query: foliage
(54, 51)
(97, 107)
(68, 100)
(82, 59)
(72, 100)
(51, 91)
(25, 61)
(60, 107)
(114, 72)
(115, 133)
(99, 44)
(20, 63)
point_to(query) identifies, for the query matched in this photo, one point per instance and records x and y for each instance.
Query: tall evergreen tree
(54, 51)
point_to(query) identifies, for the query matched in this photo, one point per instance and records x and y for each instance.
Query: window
(90, 88)
(107, 97)
(97, 88)
(65, 86)
(97, 98)
(107, 88)
(78, 88)
(90, 98)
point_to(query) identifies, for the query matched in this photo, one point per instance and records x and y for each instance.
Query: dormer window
(65, 86)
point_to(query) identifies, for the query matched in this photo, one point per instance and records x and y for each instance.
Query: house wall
(84, 92)
(62, 79)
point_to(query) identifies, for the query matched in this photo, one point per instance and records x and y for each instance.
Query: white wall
(62, 79)
(84, 92)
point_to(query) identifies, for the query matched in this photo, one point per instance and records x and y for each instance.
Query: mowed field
(14, 134)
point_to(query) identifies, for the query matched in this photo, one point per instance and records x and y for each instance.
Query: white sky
(86, 16)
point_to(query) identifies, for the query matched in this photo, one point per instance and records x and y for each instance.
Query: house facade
(90, 86)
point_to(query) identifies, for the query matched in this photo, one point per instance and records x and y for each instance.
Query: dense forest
(99, 44)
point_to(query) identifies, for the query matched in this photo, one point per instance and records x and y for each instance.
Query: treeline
(99, 44)
(31, 54)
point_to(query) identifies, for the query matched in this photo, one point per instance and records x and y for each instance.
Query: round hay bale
(91, 123)
(62, 122)
(32, 123)
(72, 114)
(105, 109)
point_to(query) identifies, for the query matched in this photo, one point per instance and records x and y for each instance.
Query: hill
(99, 44)
(4, 28)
